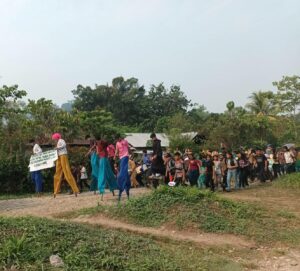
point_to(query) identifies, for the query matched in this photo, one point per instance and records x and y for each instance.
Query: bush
(14, 175)
(289, 181)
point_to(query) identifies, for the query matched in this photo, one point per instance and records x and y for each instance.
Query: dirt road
(47, 206)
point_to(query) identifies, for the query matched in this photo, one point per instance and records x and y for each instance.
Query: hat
(56, 136)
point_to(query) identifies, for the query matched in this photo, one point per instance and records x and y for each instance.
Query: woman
(133, 173)
(193, 169)
(95, 165)
(170, 169)
(122, 151)
(179, 177)
(243, 168)
(217, 171)
(231, 164)
(63, 166)
(105, 173)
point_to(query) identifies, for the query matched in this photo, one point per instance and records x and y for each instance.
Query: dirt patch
(47, 206)
(269, 197)
(201, 238)
(288, 261)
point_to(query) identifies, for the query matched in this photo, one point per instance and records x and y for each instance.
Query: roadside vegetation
(190, 209)
(289, 181)
(27, 244)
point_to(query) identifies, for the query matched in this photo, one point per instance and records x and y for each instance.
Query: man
(289, 158)
(37, 175)
(262, 165)
(157, 166)
(63, 166)
(122, 151)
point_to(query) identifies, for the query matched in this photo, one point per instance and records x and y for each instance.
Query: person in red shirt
(105, 173)
(111, 151)
(193, 169)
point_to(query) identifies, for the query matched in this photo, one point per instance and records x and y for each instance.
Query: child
(217, 171)
(83, 178)
(170, 169)
(202, 176)
(179, 177)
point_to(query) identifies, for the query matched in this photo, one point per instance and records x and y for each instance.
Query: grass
(289, 181)
(189, 208)
(15, 196)
(27, 244)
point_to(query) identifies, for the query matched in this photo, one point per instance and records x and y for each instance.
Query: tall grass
(27, 244)
(289, 181)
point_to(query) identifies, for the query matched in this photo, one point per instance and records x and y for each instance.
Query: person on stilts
(105, 173)
(63, 166)
(122, 151)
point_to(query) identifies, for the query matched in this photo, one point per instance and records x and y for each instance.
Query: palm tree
(261, 103)
(230, 107)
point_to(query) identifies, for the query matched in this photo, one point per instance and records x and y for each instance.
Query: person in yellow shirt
(63, 166)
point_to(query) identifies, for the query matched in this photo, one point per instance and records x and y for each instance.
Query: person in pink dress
(122, 151)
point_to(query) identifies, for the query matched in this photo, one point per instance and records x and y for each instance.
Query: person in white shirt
(63, 166)
(83, 178)
(36, 176)
(289, 158)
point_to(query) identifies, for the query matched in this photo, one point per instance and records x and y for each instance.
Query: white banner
(43, 160)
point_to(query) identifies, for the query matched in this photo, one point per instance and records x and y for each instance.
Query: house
(140, 141)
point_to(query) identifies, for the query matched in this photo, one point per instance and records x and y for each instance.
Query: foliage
(99, 124)
(289, 93)
(262, 103)
(289, 181)
(27, 244)
(181, 141)
(130, 104)
(14, 175)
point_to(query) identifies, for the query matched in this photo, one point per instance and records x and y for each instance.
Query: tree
(162, 102)
(289, 93)
(289, 96)
(262, 102)
(99, 124)
(124, 99)
(230, 106)
(12, 119)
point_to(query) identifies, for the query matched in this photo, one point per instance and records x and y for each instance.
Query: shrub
(289, 181)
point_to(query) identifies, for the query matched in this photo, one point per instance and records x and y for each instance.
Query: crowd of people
(114, 166)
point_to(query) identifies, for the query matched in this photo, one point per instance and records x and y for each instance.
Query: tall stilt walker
(63, 166)
(122, 150)
(94, 165)
(105, 173)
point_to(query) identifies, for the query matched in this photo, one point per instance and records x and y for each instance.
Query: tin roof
(142, 140)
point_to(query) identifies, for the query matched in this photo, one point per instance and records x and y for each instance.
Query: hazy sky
(216, 50)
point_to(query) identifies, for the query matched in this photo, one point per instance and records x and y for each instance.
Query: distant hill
(67, 106)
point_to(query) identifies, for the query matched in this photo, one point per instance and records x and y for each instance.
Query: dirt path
(200, 238)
